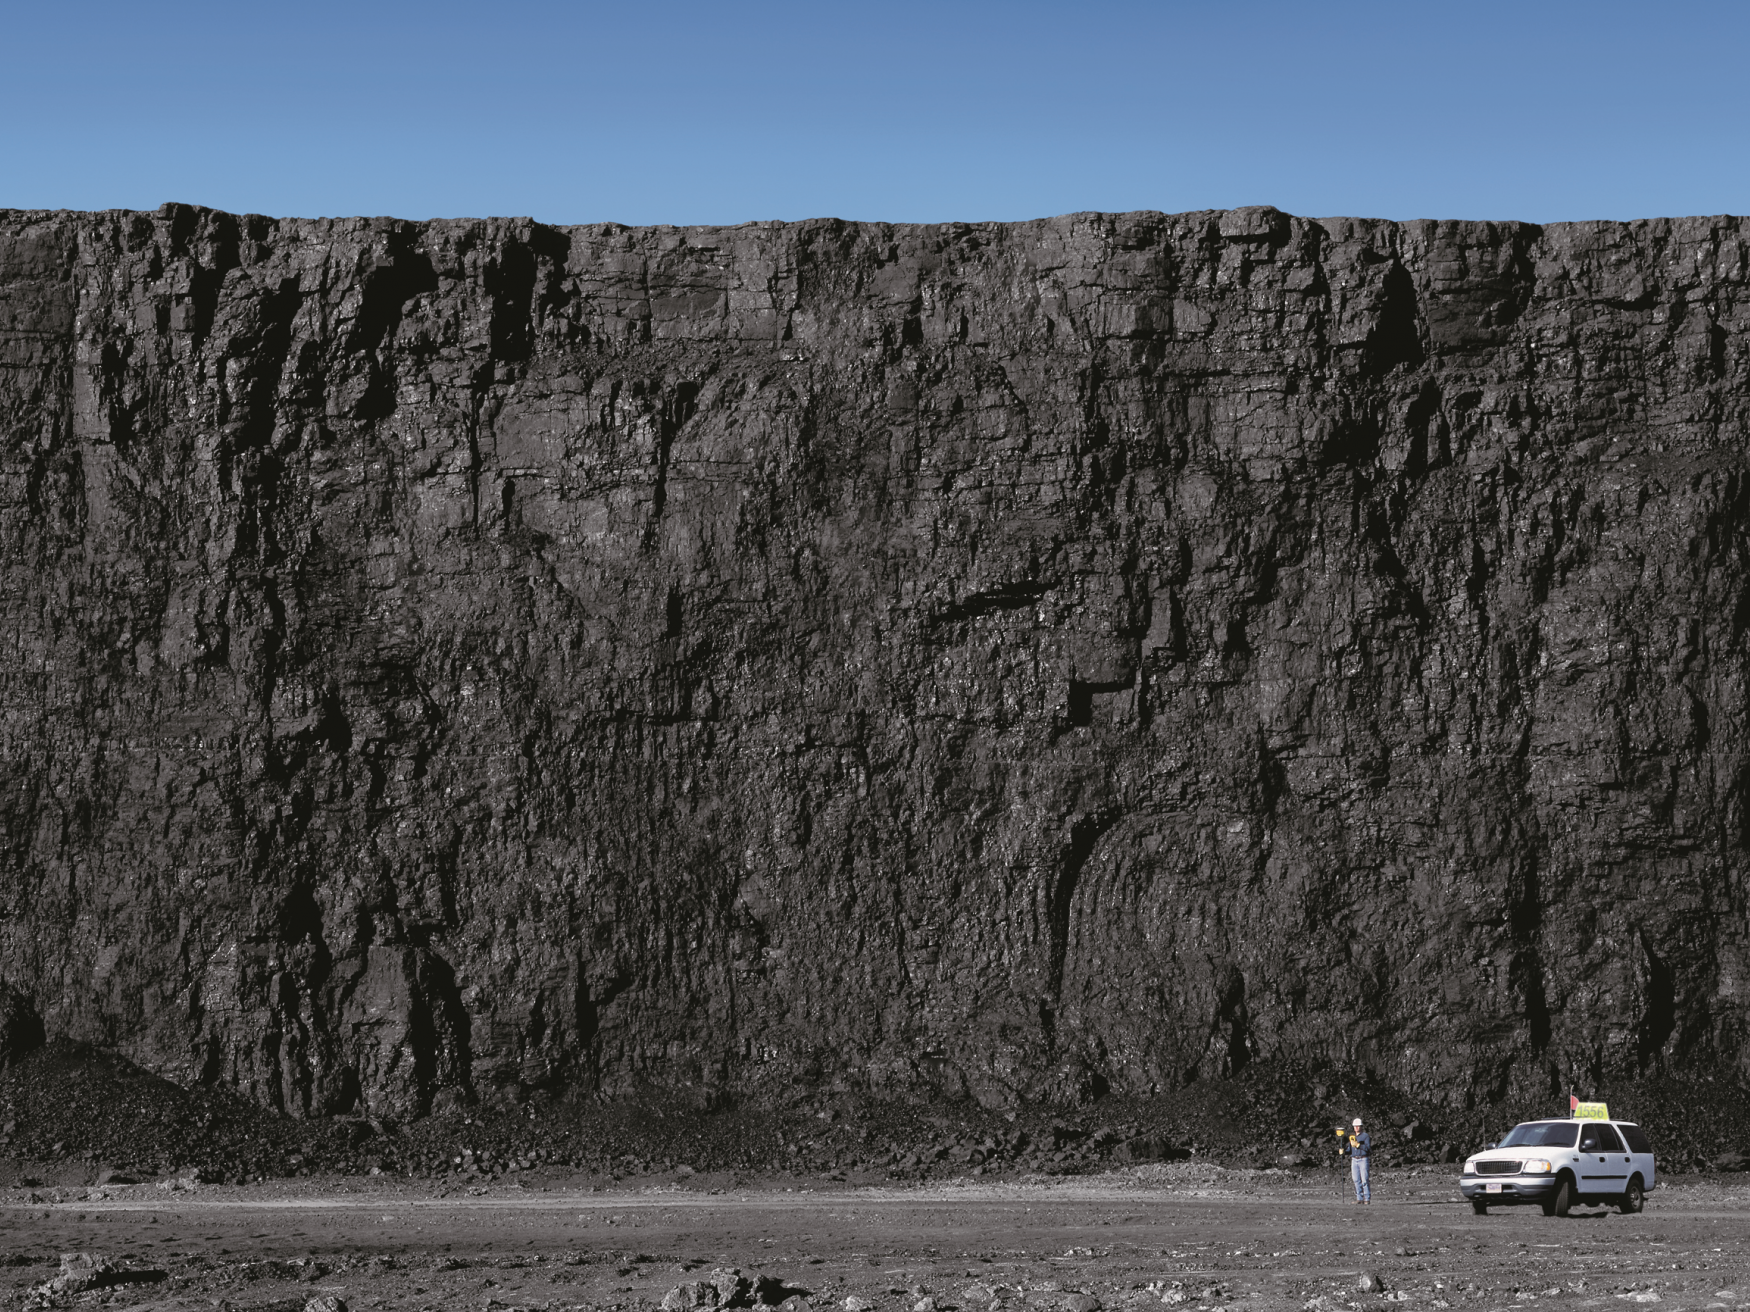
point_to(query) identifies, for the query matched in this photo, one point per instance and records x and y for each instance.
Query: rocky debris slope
(72, 1119)
(1022, 661)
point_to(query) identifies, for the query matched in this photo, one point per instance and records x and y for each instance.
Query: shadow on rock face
(21, 1029)
(409, 1032)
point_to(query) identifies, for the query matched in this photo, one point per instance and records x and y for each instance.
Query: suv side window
(1608, 1141)
(1637, 1138)
(1590, 1141)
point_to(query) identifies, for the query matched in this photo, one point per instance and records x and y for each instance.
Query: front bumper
(1513, 1188)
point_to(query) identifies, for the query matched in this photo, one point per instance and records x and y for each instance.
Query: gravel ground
(1189, 1235)
(190, 1199)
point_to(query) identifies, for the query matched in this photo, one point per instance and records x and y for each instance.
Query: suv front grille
(1497, 1168)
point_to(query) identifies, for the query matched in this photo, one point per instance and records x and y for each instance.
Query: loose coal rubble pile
(75, 1115)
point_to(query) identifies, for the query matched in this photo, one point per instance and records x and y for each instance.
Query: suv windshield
(1541, 1134)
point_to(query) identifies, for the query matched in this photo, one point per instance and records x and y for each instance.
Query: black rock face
(1014, 660)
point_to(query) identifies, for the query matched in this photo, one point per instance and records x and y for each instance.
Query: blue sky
(683, 112)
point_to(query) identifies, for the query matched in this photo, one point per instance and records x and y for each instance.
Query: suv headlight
(1536, 1167)
(1470, 1167)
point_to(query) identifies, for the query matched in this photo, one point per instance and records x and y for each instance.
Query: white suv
(1559, 1163)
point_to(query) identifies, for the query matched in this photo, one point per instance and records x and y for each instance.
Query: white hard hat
(1358, 1120)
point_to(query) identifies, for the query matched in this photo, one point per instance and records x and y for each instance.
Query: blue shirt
(1360, 1144)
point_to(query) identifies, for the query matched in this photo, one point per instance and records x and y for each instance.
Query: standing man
(1360, 1148)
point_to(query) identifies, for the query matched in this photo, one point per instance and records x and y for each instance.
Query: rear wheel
(1479, 1206)
(1557, 1204)
(1633, 1198)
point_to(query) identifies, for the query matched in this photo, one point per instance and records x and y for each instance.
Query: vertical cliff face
(1014, 659)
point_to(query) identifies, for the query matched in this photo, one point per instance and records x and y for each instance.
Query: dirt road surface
(1189, 1236)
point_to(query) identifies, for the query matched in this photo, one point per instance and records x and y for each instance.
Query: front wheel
(1557, 1204)
(1633, 1199)
(1480, 1207)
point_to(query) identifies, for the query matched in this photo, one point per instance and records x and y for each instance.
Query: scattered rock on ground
(83, 1272)
(728, 1287)
(87, 1268)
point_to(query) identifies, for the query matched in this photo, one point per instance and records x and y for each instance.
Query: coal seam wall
(1005, 660)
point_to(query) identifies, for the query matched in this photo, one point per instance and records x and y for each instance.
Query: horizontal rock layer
(1015, 660)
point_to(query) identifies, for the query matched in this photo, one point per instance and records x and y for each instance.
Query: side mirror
(1488, 1146)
